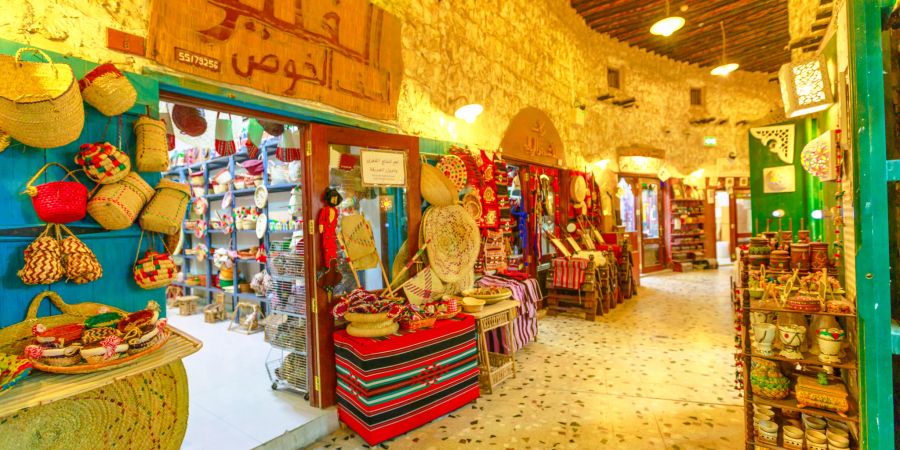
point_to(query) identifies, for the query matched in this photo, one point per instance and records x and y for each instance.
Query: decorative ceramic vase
(818, 255)
(767, 380)
(761, 317)
(800, 257)
(830, 340)
(780, 260)
(791, 336)
(764, 334)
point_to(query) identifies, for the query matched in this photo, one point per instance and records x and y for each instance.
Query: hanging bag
(57, 201)
(103, 162)
(40, 104)
(224, 137)
(43, 262)
(167, 208)
(79, 262)
(155, 269)
(289, 146)
(254, 138)
(107, 89)
(116, 206)
(152, 150)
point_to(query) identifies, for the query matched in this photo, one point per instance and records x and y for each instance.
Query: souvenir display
(155, 269)
(224, 142)
(108, 90)
(116, 206)
(831, 395)
(767, 380)
(103, 163)
(288, 148)
(40, 103)
(423, 287)
(254, 138)
(454, 169)
(454, 241)
(830, 341)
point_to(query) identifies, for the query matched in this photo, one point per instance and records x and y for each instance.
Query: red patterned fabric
(568, 273)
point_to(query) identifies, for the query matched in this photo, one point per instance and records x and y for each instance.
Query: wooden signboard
(532, 137)
(345, 54)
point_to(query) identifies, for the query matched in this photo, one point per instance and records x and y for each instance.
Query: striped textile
(525, 326)
(568, 273)
(388, 386)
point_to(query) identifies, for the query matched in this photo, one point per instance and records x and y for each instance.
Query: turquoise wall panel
(19, 224)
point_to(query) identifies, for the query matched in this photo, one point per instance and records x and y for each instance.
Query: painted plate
(227, 200)
(262, 222)
(454, 168)
(260, 197)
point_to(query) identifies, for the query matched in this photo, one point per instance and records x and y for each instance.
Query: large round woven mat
(454, 241)
(145, 411)
(578, 189)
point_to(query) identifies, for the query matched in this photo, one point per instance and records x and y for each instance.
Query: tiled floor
(232, 404)
(656, 373)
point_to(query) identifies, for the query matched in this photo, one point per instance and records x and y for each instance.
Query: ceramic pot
(816, 440)
(768, 431)
(800, 257)
(791, 336)
(803, 236)
(830, 340)
(764, 334)
(760, 317)
(792, 437)
(818, 255)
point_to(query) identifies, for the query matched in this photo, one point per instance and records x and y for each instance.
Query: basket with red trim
(107, 89)
(103, 162)
(58, 201)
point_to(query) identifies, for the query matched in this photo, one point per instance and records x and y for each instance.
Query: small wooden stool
(187, 304)
(214, 313)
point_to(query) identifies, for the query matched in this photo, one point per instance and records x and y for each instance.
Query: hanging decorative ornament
(819, 157)
(254, 138)
(200, 229)
(289, 146)
(200, 206)
(227, 200)
(224, 137)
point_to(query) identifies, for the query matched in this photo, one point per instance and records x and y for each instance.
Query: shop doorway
(724, 225)
(640, 205)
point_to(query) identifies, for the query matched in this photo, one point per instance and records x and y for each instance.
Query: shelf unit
(242, 265)
(849, 362)
(686, 228)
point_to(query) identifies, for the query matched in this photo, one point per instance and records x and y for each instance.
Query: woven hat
(399, 263)
(436, 188)
(454, 241)
(454, 168)
(472, 205)
(359, 242)
(424, 287)
(578, 189)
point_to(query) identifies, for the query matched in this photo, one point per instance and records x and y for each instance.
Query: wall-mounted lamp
(602, 164)
(817, 214)
(805, 87)
(778, 213)
(465, 111)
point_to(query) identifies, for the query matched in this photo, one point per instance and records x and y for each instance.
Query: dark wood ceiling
(756, 30)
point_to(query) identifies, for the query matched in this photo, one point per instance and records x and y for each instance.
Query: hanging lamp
(725, 68)
(805, 86)
(668, 25)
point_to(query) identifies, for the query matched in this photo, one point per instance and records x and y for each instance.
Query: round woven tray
(145, 411)
(108, 365)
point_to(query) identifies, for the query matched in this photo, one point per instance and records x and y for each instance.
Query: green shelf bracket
(893, 169)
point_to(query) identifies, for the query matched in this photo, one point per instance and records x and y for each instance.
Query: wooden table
(495, 367)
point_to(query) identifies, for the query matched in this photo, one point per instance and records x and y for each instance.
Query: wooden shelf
(809, 359)
(677, 235)
(790, 404)
(687, 200)
(766, 445)
(756, 305)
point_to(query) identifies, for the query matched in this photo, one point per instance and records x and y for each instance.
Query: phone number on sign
(203, 62)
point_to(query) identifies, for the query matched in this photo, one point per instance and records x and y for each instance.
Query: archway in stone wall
(531, 136)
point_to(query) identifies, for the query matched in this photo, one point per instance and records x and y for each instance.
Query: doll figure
(326, 224)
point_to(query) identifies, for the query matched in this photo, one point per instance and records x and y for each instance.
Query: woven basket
(413, 325)
(58, 201)
(116, 206)
(43, 262)
(103, 162)
(167, 208)
(455, 242)
(388, 330)
(155, 270)
(437, 189)
(189, 120)
(107, 89)
(365, 317)
(152, 146)
(80, 263)
(424, 287)
(40, 104)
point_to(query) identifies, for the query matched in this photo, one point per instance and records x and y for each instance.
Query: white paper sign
(383, 167)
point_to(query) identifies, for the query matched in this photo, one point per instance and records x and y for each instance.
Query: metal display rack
(267, 151)
(287, 361)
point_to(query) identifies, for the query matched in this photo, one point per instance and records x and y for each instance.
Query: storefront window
(650, 210)
(626, 205)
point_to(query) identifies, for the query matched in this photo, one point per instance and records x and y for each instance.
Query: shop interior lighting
(602, 164)
(465, 111)
(805, 87)
(778, 213)
(668, 25)
(726, 67)
(817, 214)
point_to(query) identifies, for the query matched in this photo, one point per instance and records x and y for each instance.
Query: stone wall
(506, 54)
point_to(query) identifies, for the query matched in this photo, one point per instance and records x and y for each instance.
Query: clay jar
(780, 260)
(800, 257)
(818, 258)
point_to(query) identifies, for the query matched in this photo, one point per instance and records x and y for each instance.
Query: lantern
(805, 87)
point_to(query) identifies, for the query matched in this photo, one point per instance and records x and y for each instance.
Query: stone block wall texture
(505, 54)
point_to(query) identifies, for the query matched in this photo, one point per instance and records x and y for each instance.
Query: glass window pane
(744, 217)
(650, 210)
(626, 206)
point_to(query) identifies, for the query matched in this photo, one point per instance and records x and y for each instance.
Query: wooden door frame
(662, 200)
(322, 360)
(733, 213)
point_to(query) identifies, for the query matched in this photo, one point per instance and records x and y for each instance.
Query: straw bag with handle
(155, 269)
(58, 201)
(107, 89)
(152, 145)
(43, 263)
(116, 206)
(167, 208)
(80, 264)
(103, 162)
(40, 104)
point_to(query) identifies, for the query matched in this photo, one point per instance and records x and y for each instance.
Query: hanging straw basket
(40, 104)
(154, 270)
(79, 262)
(103, 162)
(57, 201)
(107, 89)
(189, 120)
(43, 260)
(152, 145)
(167, 208)
(116, 206)
(437, 189)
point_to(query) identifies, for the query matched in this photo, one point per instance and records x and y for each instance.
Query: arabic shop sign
(345, 54)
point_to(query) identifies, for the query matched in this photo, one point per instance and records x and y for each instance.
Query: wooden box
(832, 397)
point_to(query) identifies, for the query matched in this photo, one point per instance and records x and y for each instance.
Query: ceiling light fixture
(668, 25)
(725, 68)
(465, 111)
